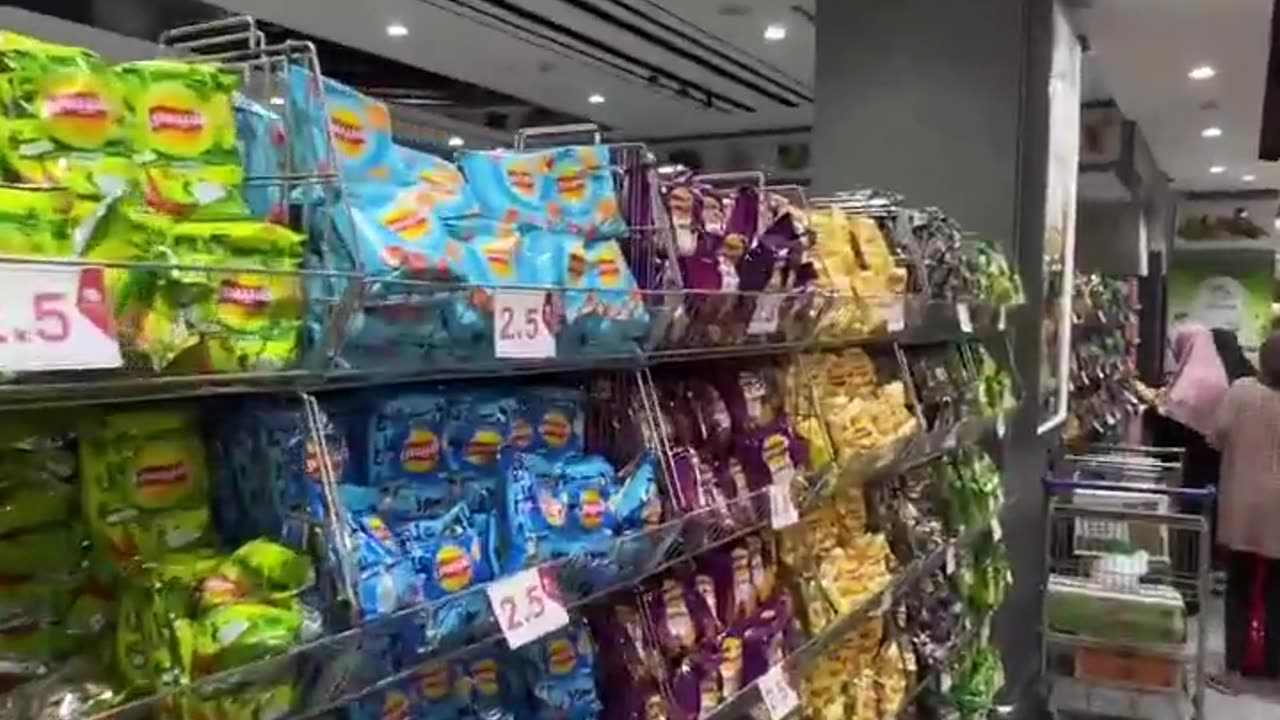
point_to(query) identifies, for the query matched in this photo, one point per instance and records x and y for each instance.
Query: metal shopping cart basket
(1127, 557)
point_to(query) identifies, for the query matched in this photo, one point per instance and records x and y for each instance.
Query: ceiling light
(595, 98)
(276, 100)
(775, 32)
(1277, 223)
(1249, 178)
(397, 30)
(456, 141)
(1204, 72)
(1211, 132)
(1218, 169)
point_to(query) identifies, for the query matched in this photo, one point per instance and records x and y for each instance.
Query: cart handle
(1056, 486)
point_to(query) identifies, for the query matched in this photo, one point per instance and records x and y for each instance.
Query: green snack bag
(52, 551)
(42, 598)
(146, 652)
(184, 138)
(233, 635)
(66, 124)
(91, 613)
(233, 320)
(261, 571)
(35, 222)
(29, 506)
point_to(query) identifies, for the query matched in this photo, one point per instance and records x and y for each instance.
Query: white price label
(527, 607)
(944, 682)
(949, 442)
(764, 321)
(782, 509)
(55, 317)
(951, 560)
(1002, 319)
(997, 530)
(520, 325)
(1000, 425)
(964, 318)
(895, 315)
(779, 697)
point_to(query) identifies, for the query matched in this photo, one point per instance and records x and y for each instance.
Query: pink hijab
(1199, 383)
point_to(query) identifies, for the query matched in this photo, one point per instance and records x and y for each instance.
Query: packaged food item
(562, 678)
(35, 222)
(260, 136)
(144, 482)
(405, 440)
(604, 310)
(475, 432)
(67, 124)
(439, 184)
(450, 556)
(358, 129)
(183, 138)
(385, 580)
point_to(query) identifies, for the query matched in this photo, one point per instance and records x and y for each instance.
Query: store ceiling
(664, 68)
(1144, 50)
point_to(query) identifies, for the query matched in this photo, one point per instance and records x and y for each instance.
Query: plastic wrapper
(1145, 614)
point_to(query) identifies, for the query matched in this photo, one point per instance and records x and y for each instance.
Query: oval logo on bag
(421, 452)
(435, 682)
(561, 656)
(77, 114)
(592, 509)
(348, 132)
(521, 434)
(176, 121)
(244, 295)
(453, 568)
(407, 222)
(571, 185)
(522, 180)
(483, 448)
(484, 673)
(555, 429)
(396, 706)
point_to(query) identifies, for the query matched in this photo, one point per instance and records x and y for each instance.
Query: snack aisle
(1105, 394)
(302, 423)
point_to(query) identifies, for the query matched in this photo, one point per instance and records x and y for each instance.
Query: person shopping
(1183, 412)
(1247, 431)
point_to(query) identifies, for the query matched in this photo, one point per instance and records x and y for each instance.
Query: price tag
(1002, 320)
(526, 607)
(949, 442)
(1000, 425)
(520, 326)
(764, 321)
(951, 560)
(782, 509)
(55, 317)
(997, 530)
(964, 318)
(779, 697)
(944, 682)
(895, 314)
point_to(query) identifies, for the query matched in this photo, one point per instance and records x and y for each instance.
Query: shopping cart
(1127, 557)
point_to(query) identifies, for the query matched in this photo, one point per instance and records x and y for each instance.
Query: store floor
(1228, 707)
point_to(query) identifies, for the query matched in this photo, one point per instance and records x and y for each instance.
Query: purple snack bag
(772, 454)
(684, 204)
(668, 608)
(705, 586)
(763, 644)
(735, 487)
(762, 577)
(713, 418)
(730, 571)
(701, 607)
(730, 666)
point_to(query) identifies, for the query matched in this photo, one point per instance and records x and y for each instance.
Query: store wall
(1111, 237)
(948, 104)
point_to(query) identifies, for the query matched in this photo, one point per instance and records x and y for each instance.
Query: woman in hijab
(1247, 430)
(1234, 361)
(1184, 413)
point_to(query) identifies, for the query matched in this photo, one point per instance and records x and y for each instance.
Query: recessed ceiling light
(397, 30)
(595, 98)
(456, 141)
(276, 100)
(1211, 132)
(1204, 72)
(775, 32)
(1248, 178)
(1218, 169)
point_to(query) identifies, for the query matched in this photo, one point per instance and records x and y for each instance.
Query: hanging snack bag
(556, 421)
(476, 431)
(604, 310)
(184, 138)
(404, 440)
(332, 115)
(451, 555)
(510, 187)
(67, 119)
(385, 579)
(562, 677)
(582, 198)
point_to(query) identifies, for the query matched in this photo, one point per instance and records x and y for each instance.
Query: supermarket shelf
(749, 697)
(934, 678)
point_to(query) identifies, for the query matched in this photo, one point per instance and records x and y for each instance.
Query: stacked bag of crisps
(862, 415)
(946, 385)
(995, 393)
(435, 239)
(52, 605)
(972, 487)
(186, 609)
(863, 678)
(731, 241)
(836, 562)
(731, 438)
(139, 162)
(857, 265)
(704, 630)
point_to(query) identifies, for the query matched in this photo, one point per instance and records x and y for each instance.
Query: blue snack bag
(581, 197)
(395, 703)
(510, 187)
(438, 183)
(451, 556)
(604, 309)
(260, 137)
(562, 674)
(483, 689)
(385, 581)
(358, 127)
(405, 441)
(475, 433)
(438, 694)
(557, 421)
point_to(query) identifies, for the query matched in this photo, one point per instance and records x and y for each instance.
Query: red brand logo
(244, 295)
(160, 475)
(76, 104)
(168, 118)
